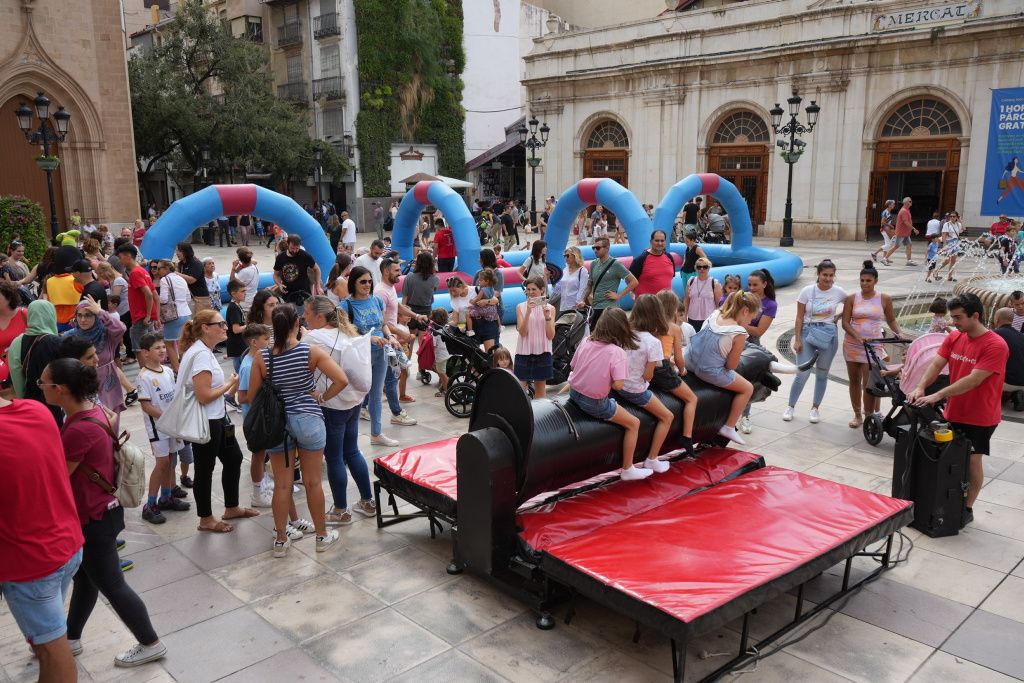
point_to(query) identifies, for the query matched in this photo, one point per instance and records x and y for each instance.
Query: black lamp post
(318, 156)
(204, 160)
(45, 136)
(530, 140)
(791, 151)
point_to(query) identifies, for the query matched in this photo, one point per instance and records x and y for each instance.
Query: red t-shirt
(445, 243)
(999, 228)
(904, 223)
(137, 280)
(137, 236)
(17, 325)
(39, 530)
(502, 263)
(981, 407)
(87, 442)
(656, 276)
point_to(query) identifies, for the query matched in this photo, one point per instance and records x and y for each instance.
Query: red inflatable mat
(550, 524)
(424, 475)
(702, 560)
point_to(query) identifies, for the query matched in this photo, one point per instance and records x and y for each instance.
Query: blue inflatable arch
(436, 193)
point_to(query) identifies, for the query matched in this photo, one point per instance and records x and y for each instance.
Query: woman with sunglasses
(702, 295)
(574, 280)
(200, 367)
(693, 252)
(366, 312)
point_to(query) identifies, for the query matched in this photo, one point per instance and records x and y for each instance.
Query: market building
(905, 91)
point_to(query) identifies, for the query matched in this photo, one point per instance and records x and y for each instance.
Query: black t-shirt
(97, 291)
(294, 270)
(236, 342)
(510, 226)
(194, 268)
(1015, 362)
(690, 213)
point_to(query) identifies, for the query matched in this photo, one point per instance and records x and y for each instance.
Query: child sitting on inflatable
(600, 365)
(714, 353)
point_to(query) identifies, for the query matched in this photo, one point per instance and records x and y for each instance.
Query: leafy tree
(202, 86)
(22, 216)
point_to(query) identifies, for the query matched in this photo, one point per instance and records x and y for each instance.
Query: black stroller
(465, 365)
(885, 385)
(570, 329)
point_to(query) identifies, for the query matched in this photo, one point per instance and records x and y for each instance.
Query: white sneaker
(262, 496)
(364, 414)
(381, 440)
(323, 543)
(140, 654)
(292, 533)
(744, 425)
(281, 547)
(76, 647)
(731, 434)
(303, 525)
(403, 419)
(365, 507)
(787, 414)
(815, 417)
(634, 473)
(656, 466)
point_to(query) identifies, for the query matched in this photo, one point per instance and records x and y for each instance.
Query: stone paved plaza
(381, 607)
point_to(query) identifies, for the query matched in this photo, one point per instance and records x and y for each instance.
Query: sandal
(245, 512)
(217, 528)
(857, 421)
(406, 399)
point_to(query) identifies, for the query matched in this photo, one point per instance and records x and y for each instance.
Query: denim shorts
(306, 432)
(172, 329)
(639, 399)
(38, 606)
(484, 330)
(903, 241)
(600, 408)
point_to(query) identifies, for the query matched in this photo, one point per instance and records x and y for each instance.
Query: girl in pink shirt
(600, 365)
(535, 322)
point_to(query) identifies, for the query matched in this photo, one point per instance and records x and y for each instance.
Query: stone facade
(75, 54)
(671, 82)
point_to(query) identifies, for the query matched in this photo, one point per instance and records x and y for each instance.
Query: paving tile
(461, 609)
(1007, 600)
(791, 461)
(1004, 493)
(221, 646)
(158, 566)
(995, 465)
(858, 650)
(843, 475)
(827, 435)
(977, 547)
(210, 550)
(313, 607)
(999, 519)
(450, 665)
(1007, 449)
(871, 462)
(783, 667)
(358, 542)
(991, 641)
(398, 574)
(942, 666)
(519, 651)
(262, 575)
(376, 647)
(288, 665)
(946, 577)
(415, 533)
(616, 667)
(188, 601)
(1014, 473)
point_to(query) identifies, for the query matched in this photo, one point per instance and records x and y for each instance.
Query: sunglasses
(599, 248)
(568, 254)
(40, 383)
(221, 324)
(703, 267)
(364, 282)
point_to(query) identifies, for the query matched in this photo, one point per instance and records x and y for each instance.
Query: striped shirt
(294, 379)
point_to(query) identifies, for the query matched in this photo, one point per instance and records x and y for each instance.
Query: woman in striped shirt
(289, 364)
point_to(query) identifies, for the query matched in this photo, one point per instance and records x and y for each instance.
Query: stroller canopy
(919, 355)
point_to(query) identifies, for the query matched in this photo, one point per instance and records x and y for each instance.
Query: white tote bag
(185, 418)
(355, 360)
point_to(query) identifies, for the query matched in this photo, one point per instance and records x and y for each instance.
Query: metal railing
(327, 25)
(293, 92)
(289, 34)
(331, 88)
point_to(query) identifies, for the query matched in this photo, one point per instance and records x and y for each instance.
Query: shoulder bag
(129, 469)
(169, 310)
(186, 418)
(264, 425)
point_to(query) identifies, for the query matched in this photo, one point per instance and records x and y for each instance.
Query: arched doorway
(19, 173)
(606, 152)
(917, 156)
(739, 153)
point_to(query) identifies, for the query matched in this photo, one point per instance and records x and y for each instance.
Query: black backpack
(264, 425)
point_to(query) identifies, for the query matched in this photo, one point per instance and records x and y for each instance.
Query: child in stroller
(463, 364)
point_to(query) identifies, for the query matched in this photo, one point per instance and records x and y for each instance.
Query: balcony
(293, 92)
(278, 3)
(327, 25)
(289, 34)
(331, 88)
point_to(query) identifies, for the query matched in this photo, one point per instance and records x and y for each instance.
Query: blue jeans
(343, 450)
(383, 381)
(821, 367)
(38, 606)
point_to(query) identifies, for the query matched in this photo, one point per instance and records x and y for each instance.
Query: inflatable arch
(467, 242)
(210, 203)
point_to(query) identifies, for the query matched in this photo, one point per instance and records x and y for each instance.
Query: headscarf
(95, 334)
(42, 320)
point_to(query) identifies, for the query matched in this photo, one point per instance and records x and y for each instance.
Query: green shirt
(610, 280)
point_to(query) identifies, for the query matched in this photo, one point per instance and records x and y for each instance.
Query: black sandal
(131, 397)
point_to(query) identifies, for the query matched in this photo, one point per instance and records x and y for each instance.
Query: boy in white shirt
(156, 391)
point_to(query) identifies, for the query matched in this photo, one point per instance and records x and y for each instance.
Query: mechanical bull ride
(538, 510)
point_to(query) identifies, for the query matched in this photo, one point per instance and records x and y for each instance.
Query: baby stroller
(883, 383)
(466, 364)
(570, 329)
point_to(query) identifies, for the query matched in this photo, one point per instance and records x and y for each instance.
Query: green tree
(202, 86)
(23, 217)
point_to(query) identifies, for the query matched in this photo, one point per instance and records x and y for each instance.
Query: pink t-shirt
(595, 366)
(389, 296)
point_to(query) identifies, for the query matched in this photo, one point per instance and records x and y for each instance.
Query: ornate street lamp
(528, 138)
(45, 136)
(792, 150)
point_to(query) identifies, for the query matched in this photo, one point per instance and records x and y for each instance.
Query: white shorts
(166, 446)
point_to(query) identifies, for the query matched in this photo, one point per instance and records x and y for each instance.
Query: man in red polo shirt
(904, 227)
(999, 227)
(977, 364)
(444, 243)
(653, 269)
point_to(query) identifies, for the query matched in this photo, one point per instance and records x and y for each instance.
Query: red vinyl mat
(430, 465)
(689, 556)
(553, 523)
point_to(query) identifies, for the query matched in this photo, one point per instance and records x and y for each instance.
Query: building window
(920, 118)
(918, 160)
(249, 28)
(294, 69)
(740, 163)
(741, 128)
(330, 61)
(607, 134)
(334, 122)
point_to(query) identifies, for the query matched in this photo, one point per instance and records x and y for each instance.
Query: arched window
(741, 128)
(920, 118)
(607, 134)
